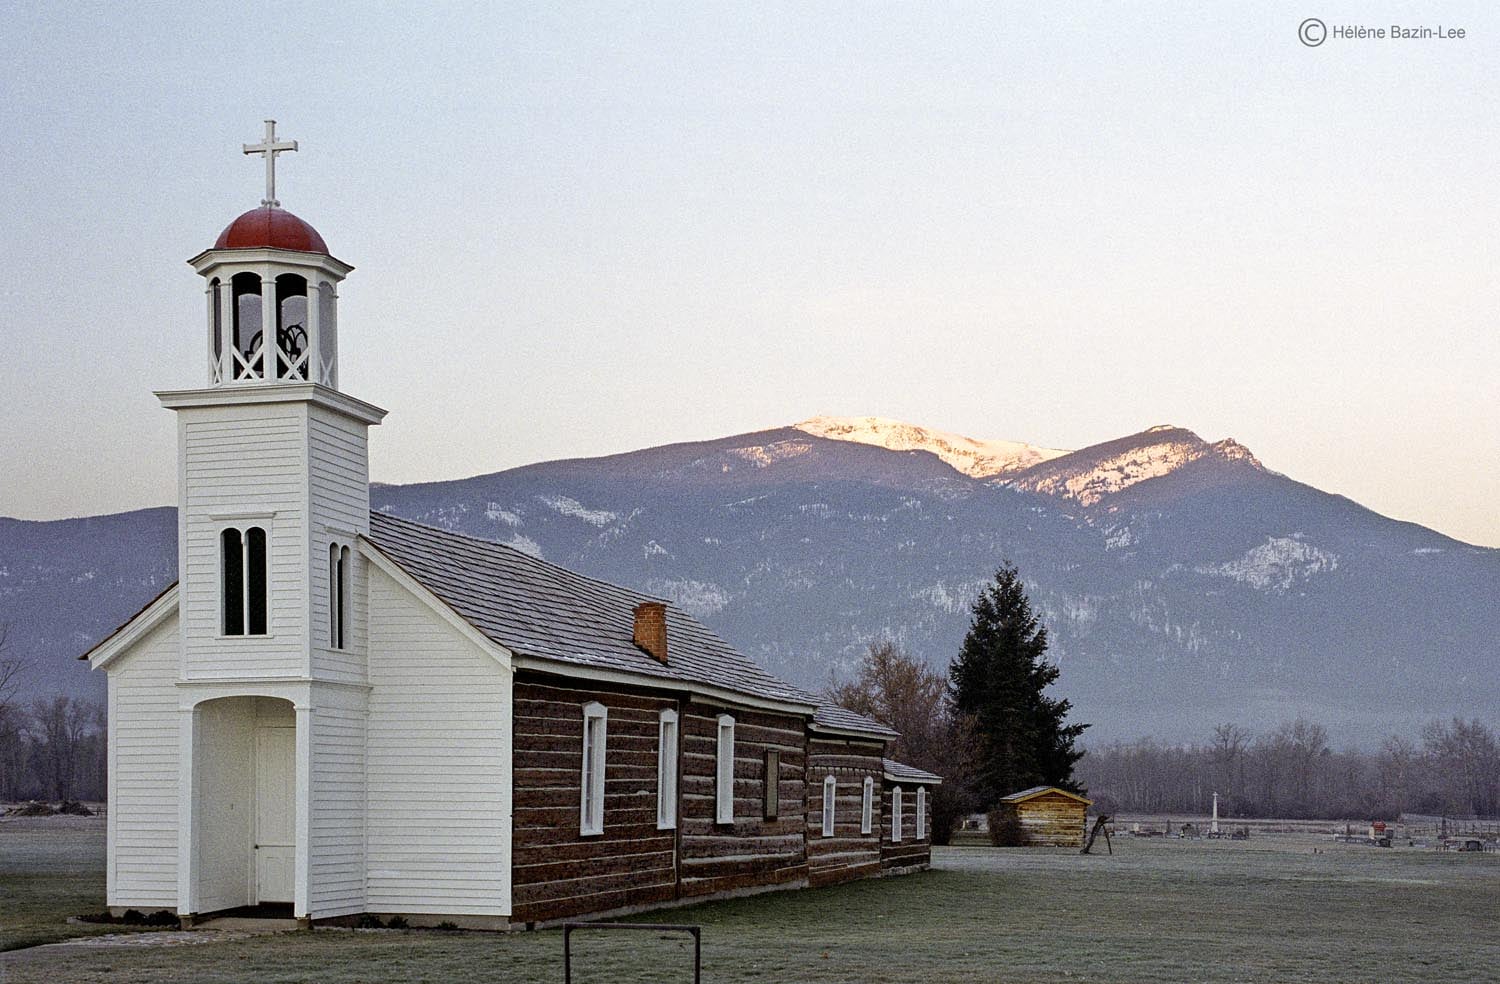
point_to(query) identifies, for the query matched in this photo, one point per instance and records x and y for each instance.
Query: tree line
(1451, 769)
(987, 724)
(52, 748)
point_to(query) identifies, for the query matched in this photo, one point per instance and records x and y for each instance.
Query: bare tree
(899, 690)
(10, 670)
(1399, 768)
(1466, 758)
(1230, 742)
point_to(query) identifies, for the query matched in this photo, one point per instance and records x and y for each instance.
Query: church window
(591, 802)
(896, 818)
(338, 595)
(291, 327)
(773, 784)
(243, 580)
(666, 771)
(724, 773)
(249, 358)
(921, 812)
(830, 798)
(867, 807)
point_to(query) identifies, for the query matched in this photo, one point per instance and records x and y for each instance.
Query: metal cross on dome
(270, 148)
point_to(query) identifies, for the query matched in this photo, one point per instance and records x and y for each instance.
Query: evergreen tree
(998, 682)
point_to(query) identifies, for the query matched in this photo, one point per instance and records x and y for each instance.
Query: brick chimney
(651, 629)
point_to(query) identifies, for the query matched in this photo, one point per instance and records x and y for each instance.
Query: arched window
(896, 818)
(921, 812)
(243, 580)
(291, 327)
(867, 807)
(338, 595)
(232, 573)
(246, 340)
(830, 798)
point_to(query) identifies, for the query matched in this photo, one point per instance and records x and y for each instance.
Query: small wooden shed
(1049, 816)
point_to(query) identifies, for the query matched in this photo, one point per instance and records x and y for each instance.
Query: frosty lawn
(1270, 910)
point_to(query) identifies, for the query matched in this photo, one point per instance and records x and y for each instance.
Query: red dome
(271, 227)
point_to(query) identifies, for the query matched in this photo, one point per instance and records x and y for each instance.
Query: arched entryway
(245, 802)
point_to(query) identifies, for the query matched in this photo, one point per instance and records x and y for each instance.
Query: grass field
(1270, 910)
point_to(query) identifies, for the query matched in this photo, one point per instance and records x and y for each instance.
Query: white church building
(334, 713)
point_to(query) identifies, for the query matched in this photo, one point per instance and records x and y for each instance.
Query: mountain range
(1183, 584)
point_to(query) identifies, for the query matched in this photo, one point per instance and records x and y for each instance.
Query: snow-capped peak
(975, 458)
(1092, 474)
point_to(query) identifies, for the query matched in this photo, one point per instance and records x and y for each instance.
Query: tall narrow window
(346, 575)
(232, 573)
(830, 797)
(921, 812)
(896, 817)
(242, 581)
(338, 595)
(255, 581)
(724, 773)
(773, 785)
(591, 795)
(867, 808)
(666, 771)
(333, 596)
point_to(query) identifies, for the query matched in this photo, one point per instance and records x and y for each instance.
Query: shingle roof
(842, 719)
(1026, 794)
(907, 773)
(540, 610)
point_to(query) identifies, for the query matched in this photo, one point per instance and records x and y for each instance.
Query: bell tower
(273, 466)
(272, 293)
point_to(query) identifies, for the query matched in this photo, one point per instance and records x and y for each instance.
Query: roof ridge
(529, 558)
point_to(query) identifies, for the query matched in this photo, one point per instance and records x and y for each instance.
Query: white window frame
(724, 771)
(867, 808)
(830, 801)
(242, 523)
(340, 587)
(591, 773)
(921, 812)
(666, 770)
(896, 818)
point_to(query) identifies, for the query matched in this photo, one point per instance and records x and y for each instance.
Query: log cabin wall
(909, 852)
(848, 854)
(558, 872)
(1051, 820)
(752, 852)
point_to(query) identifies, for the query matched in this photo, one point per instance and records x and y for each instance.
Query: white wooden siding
(336, 828)
(339, 484)
(241, 459)
(439, 760)
(143, 722)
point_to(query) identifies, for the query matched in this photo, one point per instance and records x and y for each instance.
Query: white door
(275, 807)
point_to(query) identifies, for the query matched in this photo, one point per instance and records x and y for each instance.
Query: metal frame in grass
(695, 931)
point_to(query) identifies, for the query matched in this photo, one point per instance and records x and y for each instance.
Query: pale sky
(587, 230)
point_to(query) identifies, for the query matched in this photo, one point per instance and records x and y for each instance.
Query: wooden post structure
(1100, 823)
